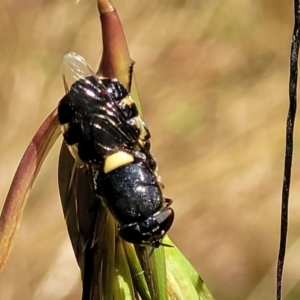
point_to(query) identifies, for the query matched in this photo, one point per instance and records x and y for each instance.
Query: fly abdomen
(131, 192)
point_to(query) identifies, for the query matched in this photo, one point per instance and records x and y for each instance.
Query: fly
(108, 138)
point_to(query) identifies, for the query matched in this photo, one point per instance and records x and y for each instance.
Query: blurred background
(213, 81)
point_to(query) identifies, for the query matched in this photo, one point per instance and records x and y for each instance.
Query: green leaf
(183, 280)
(137, 273)
(154, 266)
(123, 288)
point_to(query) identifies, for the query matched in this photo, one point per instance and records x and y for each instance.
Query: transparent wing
(74, 68)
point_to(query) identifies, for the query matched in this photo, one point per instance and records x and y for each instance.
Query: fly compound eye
(164, 219)
(151, 231)
(132, 233)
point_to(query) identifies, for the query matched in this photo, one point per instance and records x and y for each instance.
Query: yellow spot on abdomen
(117, 160)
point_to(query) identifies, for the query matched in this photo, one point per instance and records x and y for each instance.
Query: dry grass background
(213, 80)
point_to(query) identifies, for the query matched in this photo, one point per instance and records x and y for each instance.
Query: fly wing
(85, 221)
(75, 68)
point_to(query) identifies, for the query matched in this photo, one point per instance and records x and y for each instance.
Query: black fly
(108, 138)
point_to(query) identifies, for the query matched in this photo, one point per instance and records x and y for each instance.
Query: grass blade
(24, 178)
